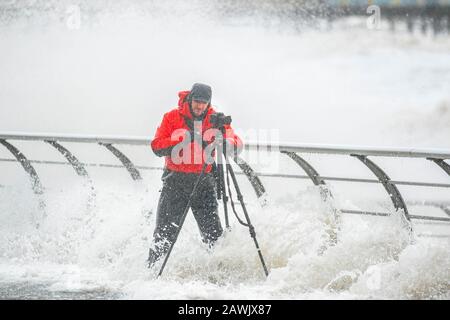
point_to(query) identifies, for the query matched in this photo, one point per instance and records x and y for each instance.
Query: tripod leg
(250, 226)
(222, 189)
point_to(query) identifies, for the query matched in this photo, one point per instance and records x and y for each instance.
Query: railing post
(35, 181)
(36, 185)
(391, 189)
(312, 174)
(76, 164)
(441, 163)
(252, 176)
(134, 173)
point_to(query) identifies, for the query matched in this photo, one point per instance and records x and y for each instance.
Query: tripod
(222, 193)
(219, 144)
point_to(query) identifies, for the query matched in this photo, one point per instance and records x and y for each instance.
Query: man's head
(200, 98)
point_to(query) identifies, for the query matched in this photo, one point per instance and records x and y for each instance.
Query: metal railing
(437, 156)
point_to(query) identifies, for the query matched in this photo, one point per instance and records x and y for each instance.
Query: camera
(218, 119)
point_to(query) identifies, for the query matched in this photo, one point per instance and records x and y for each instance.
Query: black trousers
(177, 186)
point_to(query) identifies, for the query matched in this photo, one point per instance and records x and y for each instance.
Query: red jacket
(169, 135)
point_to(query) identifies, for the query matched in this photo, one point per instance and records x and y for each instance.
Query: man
(182, 139)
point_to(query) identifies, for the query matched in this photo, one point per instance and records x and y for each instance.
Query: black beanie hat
(200, 92)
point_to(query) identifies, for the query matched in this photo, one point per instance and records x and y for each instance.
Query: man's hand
(230, 148)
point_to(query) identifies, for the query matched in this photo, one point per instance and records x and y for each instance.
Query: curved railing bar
(259, 174)
(439, 205)
(325, 193)
(441, 163)
(309, 169)
(437, 154)
(249, 145)
(73, 161)
(391, 189)
(134, 173)
(34, 177)
(78, 166)
(251, 175)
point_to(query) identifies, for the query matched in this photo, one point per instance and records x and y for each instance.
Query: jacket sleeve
(233, 140)
(163, 141)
